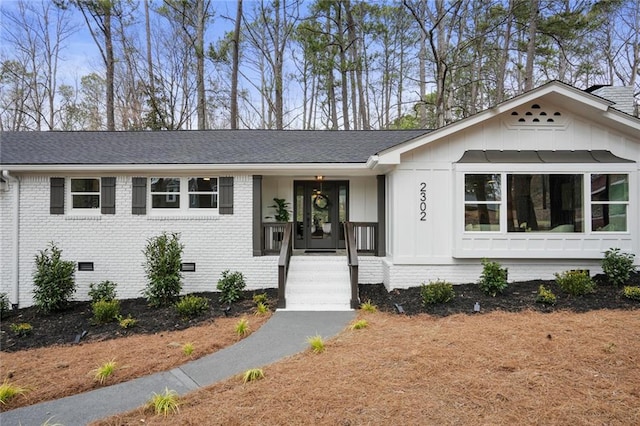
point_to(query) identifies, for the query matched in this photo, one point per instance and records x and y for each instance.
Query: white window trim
(586, 244)
(69, 198)
(184, 209)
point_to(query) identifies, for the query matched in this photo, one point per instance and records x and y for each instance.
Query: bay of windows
(546, 202)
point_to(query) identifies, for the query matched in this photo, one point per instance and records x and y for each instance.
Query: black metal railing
(352, 260)
(286, 248)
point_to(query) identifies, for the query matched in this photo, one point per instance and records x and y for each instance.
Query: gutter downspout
(15, 273)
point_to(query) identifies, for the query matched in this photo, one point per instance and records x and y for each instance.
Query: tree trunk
(235, 67)
(531, 45)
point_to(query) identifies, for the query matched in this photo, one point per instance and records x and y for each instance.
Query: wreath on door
(321, 202)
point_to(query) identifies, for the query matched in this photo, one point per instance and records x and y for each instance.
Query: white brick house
(543, 182)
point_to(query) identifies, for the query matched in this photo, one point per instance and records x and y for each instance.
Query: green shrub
(493, 279)
(163, 259)
(128, 322)
(53, 280)
(105, 311)
(575, 283)
(545, 296)
(191, 306)
(617, 266)
(631, 292)
(188, 349)
(21, 329)
(106, 290)
(437, 292)
(4, 304)
(231, 285)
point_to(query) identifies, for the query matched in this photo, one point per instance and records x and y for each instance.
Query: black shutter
(139, 195)
(226, 195)
(108, 195)
(56, 204)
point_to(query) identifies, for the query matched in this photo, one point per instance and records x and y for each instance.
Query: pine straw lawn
(56, 371)
(495, 368)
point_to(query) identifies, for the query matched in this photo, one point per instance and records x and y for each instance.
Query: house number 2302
(423, 202)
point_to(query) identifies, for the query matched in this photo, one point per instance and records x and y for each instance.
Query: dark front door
(320, 210)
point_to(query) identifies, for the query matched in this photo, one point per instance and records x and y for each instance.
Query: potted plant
(281, 206)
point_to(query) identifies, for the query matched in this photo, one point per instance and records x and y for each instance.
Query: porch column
(382, 216)
(257, 215)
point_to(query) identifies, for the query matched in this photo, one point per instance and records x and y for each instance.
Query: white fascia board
(272, 168)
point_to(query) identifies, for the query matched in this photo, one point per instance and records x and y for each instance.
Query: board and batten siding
(428, 242)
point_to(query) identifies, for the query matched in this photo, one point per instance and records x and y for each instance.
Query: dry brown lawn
(500, 368)
(56, 371)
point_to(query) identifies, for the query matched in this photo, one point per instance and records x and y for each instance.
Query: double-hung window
(184, 195)
(482, 200)
(609, 202)
(85, 194)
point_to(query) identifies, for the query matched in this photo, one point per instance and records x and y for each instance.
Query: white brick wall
(405, 276)
(115, 243)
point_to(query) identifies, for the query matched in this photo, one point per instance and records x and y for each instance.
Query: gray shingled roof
(197, 147)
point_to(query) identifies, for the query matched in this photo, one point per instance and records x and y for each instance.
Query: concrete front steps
(318, 283)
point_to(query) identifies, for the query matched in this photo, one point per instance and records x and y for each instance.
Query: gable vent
(535, 115)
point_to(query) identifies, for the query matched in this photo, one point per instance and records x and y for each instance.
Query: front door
(320, 210)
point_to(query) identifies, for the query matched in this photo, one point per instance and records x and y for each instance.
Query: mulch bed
(63, 327)
(517, 297)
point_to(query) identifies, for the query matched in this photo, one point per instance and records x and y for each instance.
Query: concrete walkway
(283, 335)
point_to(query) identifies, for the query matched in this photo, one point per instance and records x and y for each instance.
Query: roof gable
(525, 110)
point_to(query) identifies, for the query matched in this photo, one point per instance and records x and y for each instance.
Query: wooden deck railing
(365, 236)
(272, 237)
(286, 248)
(352, 260)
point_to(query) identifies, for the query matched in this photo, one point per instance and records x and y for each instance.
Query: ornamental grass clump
(191, 306)
(104, 371)
(617, 266)
(242, 327)
(164, 403)
(163, 256)
(317, 344)
(188, 349)
(9, 391)
(253, 374)
(437, 292)
(493, 279)
(575, 283)
(368, 306)
(360, 324)
(53, 280)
